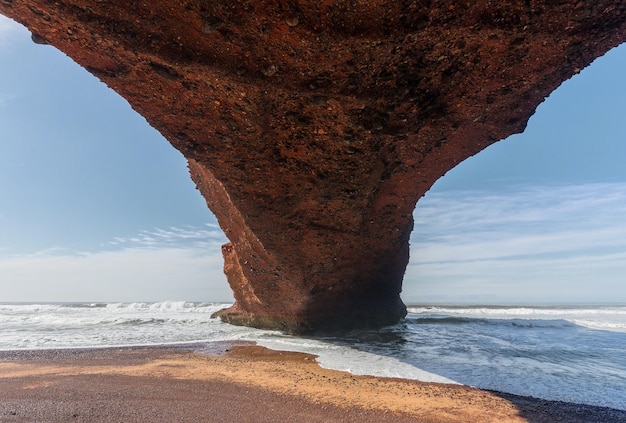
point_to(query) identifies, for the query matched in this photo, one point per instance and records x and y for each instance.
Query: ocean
(569, 353)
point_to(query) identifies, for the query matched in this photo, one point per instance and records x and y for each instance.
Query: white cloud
(550, 243)
(137, 269)
(210, 236)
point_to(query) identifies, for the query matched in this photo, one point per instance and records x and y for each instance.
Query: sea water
(568, 353)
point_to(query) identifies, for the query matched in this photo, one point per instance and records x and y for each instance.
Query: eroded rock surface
(312, 128)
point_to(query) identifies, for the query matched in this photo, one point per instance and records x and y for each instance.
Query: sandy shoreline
(242, 383)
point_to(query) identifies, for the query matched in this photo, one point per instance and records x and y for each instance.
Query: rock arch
(312, 129)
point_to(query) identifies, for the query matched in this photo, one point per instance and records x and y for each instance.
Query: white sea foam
(565, 353)
(594, 317)
(357, 362)
(618, 326)
(36, 326)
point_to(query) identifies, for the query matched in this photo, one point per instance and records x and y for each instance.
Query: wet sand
(243, 383)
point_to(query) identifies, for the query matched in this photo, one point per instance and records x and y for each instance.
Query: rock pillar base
(364, 314)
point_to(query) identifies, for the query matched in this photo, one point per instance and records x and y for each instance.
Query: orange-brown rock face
(313, 127)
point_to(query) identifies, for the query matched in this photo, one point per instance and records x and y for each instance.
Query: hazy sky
(96, 206)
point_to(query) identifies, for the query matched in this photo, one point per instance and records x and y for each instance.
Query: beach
(243, 382)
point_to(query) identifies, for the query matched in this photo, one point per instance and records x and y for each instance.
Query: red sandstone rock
(312, 128)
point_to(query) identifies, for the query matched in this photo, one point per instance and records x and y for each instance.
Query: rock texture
(313, 127)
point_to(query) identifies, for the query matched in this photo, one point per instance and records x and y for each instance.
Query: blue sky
(96, 206)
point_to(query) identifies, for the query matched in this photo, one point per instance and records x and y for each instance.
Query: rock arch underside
(312, 128)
